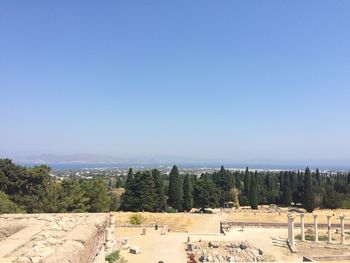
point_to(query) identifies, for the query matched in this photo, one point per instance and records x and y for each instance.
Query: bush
(312, 237)
(7, 206)
(136, 219)
(346, 203)
(113, 257)
(171, 210)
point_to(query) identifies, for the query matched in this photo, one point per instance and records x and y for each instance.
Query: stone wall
(54, 238)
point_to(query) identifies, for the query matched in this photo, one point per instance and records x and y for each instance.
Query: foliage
(35, 190)
(309, 196)
(96, 192)
(7, 206)
(234, 192)
(346, 203)
(175, 192)
(206, 193)
(309, 237)
(115, 196)
(74, 198)
(113, 257)
(141, 193)
(287, 191)
(136, 219)
(332, 199)
(171, 210)
(159, 184)
(253, 193)
(188, 193)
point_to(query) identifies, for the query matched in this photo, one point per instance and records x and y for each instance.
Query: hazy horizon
(231, 81)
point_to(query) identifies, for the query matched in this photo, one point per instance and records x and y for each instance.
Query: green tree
(128, 199)
(309, 196)
(73, 197)
(115, 196)
(53, 198)
(7, 206)
(247, 181)
(318, 176)
(287, 191)
(332, 199)
(146, 192)
(188, 193)
(253, 193)
(206, 193)
(96, 190)
(159, 190)
(175, 189)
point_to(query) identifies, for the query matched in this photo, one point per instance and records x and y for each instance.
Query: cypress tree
(175, 189)
(146, 192)
(287, 192)
(188, 193)
(159, 190)
(247, 181)
(253, 193)
(128, 198)
(309, 195)
(318, 176)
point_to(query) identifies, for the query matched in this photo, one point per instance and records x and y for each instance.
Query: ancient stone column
(289, 229)
(329, 229)
(292, 240)
(302, 227)
(316, 228)
(342, 230)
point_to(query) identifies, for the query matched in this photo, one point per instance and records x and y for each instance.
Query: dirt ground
(170, 248)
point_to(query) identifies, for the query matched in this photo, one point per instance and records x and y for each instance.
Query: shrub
(7, 206)
(312, 237)
(114, 256)
(111, 258)
(136, 219)
(346, 203)
(171, 210)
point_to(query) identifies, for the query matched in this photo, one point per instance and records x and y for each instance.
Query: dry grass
(182, 222)
(281, 216)
(178, 222)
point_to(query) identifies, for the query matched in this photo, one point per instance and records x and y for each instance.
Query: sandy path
(169, 248)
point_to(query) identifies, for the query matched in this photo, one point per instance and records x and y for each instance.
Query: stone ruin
(51, 238)
(225, 251)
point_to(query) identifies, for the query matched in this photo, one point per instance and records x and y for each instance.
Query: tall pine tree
(247, 181)
(253, 192)
(309, 195)
(175, 189)
(287, 192)
(188, 193)
(160, 190)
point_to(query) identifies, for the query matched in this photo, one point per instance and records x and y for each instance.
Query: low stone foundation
(54, 238)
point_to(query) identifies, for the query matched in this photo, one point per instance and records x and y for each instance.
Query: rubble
(226, 251)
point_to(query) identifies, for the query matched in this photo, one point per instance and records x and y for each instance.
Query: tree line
(34, 190)
(152, 191)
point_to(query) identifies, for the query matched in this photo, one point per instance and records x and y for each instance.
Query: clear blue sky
(232, 80)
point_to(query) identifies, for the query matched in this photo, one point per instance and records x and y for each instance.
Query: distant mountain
(88, 158)
(71, 158)
(97, 160)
